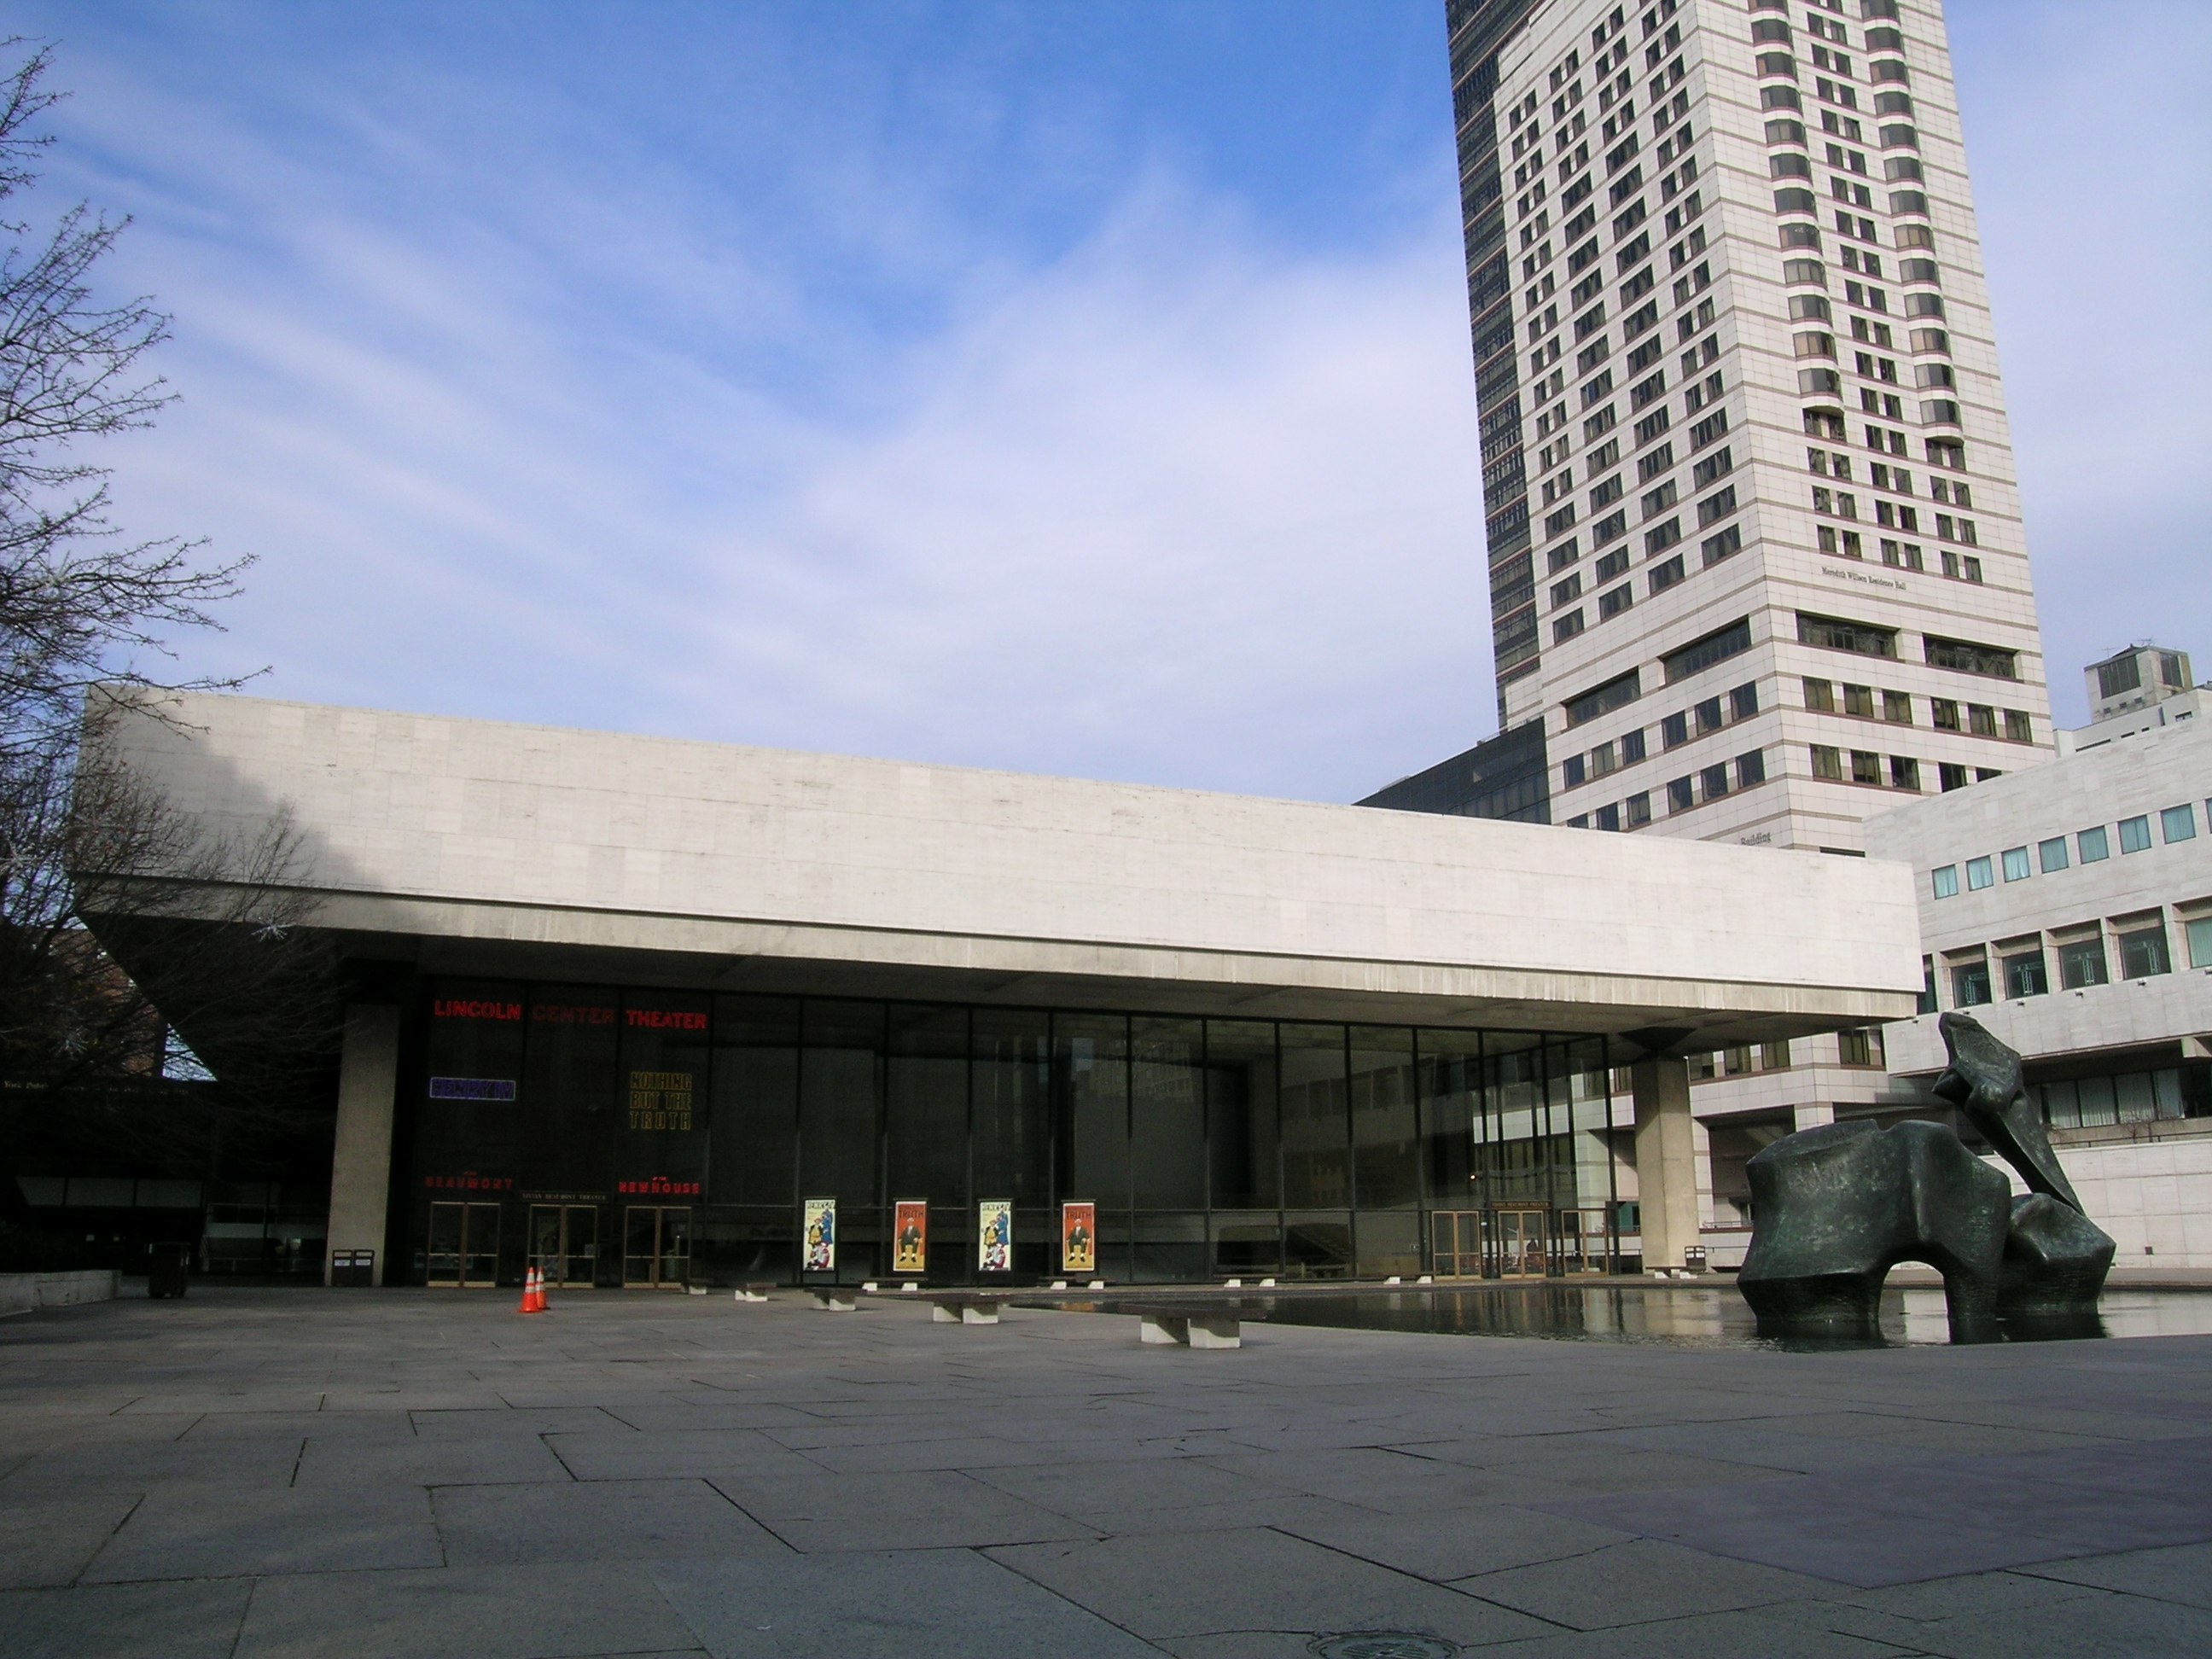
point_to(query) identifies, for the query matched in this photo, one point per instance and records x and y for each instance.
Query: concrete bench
(835, 1298)
(965, 1310)
(1190, 1329)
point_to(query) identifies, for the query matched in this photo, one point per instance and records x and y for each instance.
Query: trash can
(166, 1267)
(353, 1268)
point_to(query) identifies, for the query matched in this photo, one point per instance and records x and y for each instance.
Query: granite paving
(308, 1473)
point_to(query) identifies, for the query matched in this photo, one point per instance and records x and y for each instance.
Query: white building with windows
(2069, 909)
(1756, 554)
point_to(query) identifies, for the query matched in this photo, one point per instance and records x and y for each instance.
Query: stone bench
(1189, 1329)
(965, 1310)
(835, 1298)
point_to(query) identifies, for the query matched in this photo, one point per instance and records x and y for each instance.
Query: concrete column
(360, 1162)
(1666, 1160)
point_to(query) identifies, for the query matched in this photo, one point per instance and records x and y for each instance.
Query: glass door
(564, 1243)
(1518, 1235)
(1584, 1246)
(1455, 1244)
(656, 1247)
(464, 1245)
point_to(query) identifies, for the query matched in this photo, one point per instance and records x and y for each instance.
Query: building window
(1904, 773)
(2178, 823)
(1927, 1004)
(2135, 835)
(2143, 951)
(1945, 880)
(1970, 983)
(2052, 853)
(1865, 768)
(1608, 817)
(1674, 730)
(1680, 795)
(1640, 809)
(1750, 769)
(2018, 727)
(1964, 657)
(2015, 864)
(1950, 775)
(1835, 634)
(1827, 762)
(2092, 845)
(2199, 931)
(1743, 703)
(1862, 1048)
(1702, 653)
(2082, 962)
(1897, 707)
(1632, 746)
(1713, 781)
(2024, 974)
(1820, 696)
(1859, 700)
(1572, 771)
(1981, 873)
(1943, 714)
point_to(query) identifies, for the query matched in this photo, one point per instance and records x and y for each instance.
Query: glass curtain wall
(1210, 1148)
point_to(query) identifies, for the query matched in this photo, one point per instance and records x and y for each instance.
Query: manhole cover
(1382, 1644)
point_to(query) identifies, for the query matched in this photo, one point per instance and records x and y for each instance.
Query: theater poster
(995, 1235)
(818, 1247)
(1079, 1238)
(910, 1236)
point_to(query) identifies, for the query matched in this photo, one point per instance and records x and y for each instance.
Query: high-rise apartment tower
(1755, 550)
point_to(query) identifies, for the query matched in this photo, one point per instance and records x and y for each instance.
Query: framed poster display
(818, 1237)
(910, 1236)
(1079, 1238)
(995, 1235)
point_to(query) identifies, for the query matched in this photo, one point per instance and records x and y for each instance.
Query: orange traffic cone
(533, 1291)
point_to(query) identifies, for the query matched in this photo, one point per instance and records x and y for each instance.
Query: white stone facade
(1792, 182)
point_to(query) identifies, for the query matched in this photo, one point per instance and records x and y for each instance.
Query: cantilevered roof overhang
(477, 847)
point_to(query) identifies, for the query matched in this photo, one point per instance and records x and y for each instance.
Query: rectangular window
(1859, 700)
(1713, 781)
(1970, 983)
(1835, 634)
(2025, 975)
(1750, 769)
(1714, 548)
(1674, 731)
(1572, 771)
(1964, 657)
(1828, 763)
(2081, 964)
(1743, 702)
(1640, 809)
(2135, 835)
(1943, 714)
(2199, 930)
(2052, 853)
(2018, 727)
(1702, 653)
(1680, 795)
(1632, 746)
(1945, 881)
(1981, 873)
(1862, 1048)
(1865, 768)
(2178, 823)
(1897, 707)
(1709, 715)
(1614, 693)
(1820, 695)
(2142, 952)
(2093, 845)
(2015, 864)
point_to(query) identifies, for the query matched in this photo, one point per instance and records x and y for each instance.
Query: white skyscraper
(1755, 545)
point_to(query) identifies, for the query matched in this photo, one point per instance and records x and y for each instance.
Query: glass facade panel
(1243, 1125)
(1316, 1150)
(1245, 1148)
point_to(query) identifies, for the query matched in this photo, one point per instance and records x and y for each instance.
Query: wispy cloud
(1178, 503)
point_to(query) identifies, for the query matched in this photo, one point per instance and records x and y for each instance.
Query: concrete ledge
(23, 1292)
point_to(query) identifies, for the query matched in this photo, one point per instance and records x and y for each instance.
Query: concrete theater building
(628, 1009)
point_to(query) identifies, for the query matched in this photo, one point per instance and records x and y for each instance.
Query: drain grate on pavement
(1382, 1644)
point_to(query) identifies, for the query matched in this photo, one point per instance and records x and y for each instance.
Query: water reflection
(1681, 1316)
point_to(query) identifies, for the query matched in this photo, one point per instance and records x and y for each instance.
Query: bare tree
(213, 929)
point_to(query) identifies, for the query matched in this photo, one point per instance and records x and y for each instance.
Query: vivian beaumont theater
(648, 1014)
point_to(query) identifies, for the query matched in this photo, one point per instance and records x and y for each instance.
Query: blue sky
(1066, 388)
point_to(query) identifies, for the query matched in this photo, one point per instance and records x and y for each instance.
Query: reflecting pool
(1684, 1316)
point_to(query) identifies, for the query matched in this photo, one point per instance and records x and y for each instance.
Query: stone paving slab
(308, 1473)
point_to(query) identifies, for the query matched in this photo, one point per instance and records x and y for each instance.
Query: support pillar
(1666, 1159)
(360, 1161)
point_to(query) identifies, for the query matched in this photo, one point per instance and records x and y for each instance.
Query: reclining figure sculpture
(1834, 1209)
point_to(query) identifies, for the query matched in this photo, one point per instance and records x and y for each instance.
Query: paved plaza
(293, 1472)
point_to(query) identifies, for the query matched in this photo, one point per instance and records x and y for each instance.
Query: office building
(2069, 909)
(1754, 541)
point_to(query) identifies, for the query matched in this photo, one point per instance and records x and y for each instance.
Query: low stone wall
(21, 1292)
